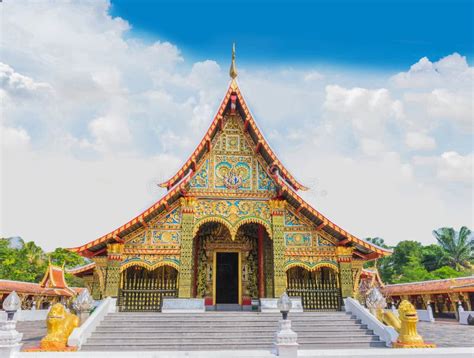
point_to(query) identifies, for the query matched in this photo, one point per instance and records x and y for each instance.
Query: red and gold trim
(377, 252)
(217, 124)
(112, 236)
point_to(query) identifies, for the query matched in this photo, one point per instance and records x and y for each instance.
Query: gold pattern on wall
(232, 213)
(232, 166)
(214, 237)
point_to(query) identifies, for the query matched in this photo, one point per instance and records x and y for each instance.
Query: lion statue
(405, 325)
(60, 324)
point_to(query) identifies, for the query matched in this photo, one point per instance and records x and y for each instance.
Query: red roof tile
(461, 284)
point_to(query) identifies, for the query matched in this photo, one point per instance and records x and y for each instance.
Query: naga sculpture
(405, 325)
(60, 324)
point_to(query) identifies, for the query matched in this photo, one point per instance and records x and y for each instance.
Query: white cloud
(14, 139)
(97, 117)
(366, 109)
(456, 167)
(437, 92)
(15, 83)
(451, 71)
(419, 141)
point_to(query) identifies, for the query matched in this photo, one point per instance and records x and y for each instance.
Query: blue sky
(101, 101)
(384, 34)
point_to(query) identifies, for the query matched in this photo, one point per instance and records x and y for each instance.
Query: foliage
(377, 241)
(433, 257)
(65, 257)
(411, 261)
(28, 262)
(459, 246)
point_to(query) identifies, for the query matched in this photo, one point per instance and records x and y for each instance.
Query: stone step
(242, 334)
(226, 319)
(206, 339)
(213, 347)
(172, 324)
(229, 329)
(308, 315)
(223, 331)
(236, 318)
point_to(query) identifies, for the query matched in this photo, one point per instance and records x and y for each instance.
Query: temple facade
(231, 229)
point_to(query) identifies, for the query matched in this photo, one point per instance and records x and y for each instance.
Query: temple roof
(255, 133)
(82, 270)
(52, 284)
(460, 284)
(288, 184)
(54, 280)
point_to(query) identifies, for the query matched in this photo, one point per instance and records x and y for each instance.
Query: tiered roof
(286, 182)
(55, 281)
(52, 284)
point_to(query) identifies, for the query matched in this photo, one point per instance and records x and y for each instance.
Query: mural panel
(233, 172)
(298, 239)
(200, 179)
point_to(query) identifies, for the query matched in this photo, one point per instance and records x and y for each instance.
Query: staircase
(225, 331)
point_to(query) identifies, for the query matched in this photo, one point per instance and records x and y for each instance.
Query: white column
(9, 339)
(285, 344)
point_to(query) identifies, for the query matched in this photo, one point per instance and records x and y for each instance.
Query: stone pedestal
(183, 305)
(9, 339)
(285, 344)
(269, 305)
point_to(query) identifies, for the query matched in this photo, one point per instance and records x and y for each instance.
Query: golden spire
(233, 68)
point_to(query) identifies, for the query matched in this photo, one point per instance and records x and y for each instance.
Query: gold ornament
(405, 325)
(60, 324)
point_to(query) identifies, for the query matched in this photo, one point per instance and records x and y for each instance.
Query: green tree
(447, 272)
(413, 271)
(433, 257)
(403, 252)
(65, 257)
(384, 264)
(28, 262)
(458, 246)
(377, 241)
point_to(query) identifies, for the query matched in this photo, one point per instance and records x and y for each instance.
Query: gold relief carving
(187, 235)
(344, 251)
(346, 278)
(137, 238)
(115, 249)
(278, 224)
(232, 213)
(277, 205)
(188, 203)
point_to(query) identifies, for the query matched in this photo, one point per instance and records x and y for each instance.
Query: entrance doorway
(227, 278)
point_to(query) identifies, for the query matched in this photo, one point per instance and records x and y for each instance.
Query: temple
(52, 289)
(231, 229)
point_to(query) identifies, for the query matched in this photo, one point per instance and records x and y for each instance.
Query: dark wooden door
(227, 277)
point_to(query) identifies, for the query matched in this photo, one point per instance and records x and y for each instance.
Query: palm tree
(459, 246)
(33, 254)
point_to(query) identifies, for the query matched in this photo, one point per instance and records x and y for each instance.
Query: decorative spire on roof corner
(233, 67)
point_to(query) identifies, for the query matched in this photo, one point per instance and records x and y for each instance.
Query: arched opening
(143, 290)
(232, 270)
(258, 261)
(319, 289)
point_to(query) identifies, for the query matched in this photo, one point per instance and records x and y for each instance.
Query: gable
(162, 232)
(232, 166)
(299, 232)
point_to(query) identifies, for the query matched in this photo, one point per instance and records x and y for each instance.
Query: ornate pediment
(233, 166)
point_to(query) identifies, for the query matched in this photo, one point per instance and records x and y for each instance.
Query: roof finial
(233, 68)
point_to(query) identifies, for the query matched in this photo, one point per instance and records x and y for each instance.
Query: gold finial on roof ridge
(233, 67)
